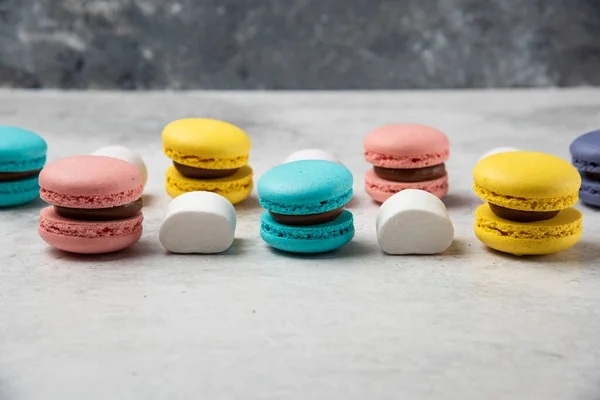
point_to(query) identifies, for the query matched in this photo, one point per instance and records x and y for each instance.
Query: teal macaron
(22, 156)
(305, 206)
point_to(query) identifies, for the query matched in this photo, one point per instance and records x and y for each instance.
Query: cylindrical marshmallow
(414, 222)
(311, 154)
(198, 222)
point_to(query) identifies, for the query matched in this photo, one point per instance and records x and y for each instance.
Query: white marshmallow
(125, 154)
(198, 222)
(414, 222)
(498, 150)
(311, 154)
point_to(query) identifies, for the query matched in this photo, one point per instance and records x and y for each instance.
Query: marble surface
(298, 44)
(258, 324)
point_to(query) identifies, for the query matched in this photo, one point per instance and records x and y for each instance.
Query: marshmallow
(198, 222)
(311, 154)
(414, 222)
(125, 154)
(498, 150)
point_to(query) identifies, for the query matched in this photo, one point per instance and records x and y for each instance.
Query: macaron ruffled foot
(22, 156)
(96, 204)
(208, 155)
(305, 206)
(414, 222)
(198, 222)
(529, 203)
(406, 156)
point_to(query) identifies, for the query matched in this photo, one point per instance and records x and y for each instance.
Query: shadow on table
(237, 248)
(584, 252)
(142, 249)
(354, 249)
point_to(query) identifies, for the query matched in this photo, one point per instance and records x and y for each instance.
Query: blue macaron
(304, 202)
(585, 153)
(22, 156)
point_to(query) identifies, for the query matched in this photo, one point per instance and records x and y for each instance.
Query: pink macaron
(96, 204)
(406, 156)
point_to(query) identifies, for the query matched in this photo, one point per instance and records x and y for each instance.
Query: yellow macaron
(529, 199)
(208, 155)
(206, 143)
(234, 188)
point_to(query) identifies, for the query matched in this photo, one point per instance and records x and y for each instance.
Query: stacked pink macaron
(96, 204)
(406, 156)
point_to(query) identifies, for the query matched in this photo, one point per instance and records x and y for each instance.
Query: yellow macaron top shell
(525, 180)
(528, 238)
(206, 143)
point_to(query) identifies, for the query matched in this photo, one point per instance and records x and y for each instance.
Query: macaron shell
(305, 187)
(380, 189)
(90, 182)
(589, 192)
(87, 237)
(406, 146)
(21, 150)
(234, 188)
(18, 192)
(534, 238)
(308, 239)
(585, 151)
(527, 175)
(206, 143)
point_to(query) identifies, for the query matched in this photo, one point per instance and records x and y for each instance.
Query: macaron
(305, 206)
(406, 156)
(125, 154)
(198, 222)
(22, 156)
(414, 222)
(208, 155)
(529, 199)
(311, 154)
(96, 204)
(585, 153)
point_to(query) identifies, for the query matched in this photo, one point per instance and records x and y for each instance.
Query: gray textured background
(298, 44)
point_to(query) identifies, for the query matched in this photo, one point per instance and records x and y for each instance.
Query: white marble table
(256, 324)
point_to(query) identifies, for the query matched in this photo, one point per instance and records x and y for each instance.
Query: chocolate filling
(17, 176)
(522, 216)
(595, 176)
(101, 214)
(310, 219)
(411, 174)
(201, 173)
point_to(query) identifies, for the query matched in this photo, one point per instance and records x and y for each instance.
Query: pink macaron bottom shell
(88, 237)
(414, 161)
(92, 201)
(380, 189)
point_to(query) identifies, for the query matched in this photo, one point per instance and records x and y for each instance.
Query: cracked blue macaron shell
(20, 151)
(305, 187)
(308, 239)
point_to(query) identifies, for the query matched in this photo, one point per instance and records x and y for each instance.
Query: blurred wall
(298, 44)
